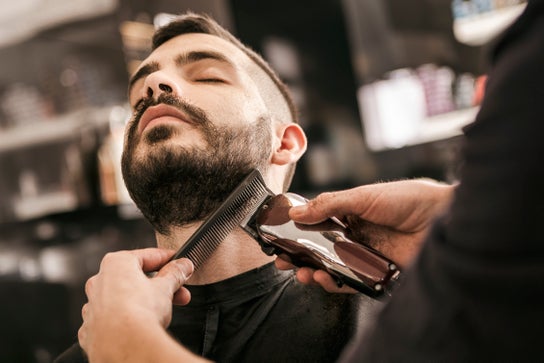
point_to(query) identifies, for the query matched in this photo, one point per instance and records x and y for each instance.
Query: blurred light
(161, 19)
(22, 19)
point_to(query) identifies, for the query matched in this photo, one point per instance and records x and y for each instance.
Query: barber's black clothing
(475, 292)
(264, 315)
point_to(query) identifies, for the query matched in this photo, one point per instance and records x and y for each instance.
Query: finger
(152, 259)
(282, 264)
(89, 285)
(307, 214)
(329, 284)
(306, 275)
(82, 337)
(326, 205)
(175, 274)
(84, 311)
(182, 297)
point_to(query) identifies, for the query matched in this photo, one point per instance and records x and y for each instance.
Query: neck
(237, 254)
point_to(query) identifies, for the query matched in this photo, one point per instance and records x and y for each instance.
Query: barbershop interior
(383, 88)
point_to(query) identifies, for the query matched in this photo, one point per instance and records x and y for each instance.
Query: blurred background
(384, 88)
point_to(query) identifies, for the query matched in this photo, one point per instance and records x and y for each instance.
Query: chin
(170, 134)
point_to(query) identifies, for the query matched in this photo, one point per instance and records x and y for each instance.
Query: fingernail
(299, 210)
(187, 267)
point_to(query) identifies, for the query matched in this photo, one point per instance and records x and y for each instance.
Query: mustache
(196, 114)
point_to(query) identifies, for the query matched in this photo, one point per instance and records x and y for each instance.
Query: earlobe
(292, 144)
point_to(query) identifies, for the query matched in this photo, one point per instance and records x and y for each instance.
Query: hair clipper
(321, 246)
(265, 216)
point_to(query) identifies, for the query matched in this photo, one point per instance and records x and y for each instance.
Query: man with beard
(472, 293)
(206, 111)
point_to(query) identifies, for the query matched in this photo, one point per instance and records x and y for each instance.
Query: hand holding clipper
(265, 216)
(321, 246)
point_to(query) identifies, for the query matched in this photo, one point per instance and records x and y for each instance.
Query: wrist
(141, 340)
(117, 336)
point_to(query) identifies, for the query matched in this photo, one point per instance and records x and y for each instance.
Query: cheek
(224, 111)
(235, 111)
(225, 106)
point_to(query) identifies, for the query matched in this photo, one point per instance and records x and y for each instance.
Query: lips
(163, 112)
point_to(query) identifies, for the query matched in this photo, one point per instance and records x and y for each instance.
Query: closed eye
(210, 80)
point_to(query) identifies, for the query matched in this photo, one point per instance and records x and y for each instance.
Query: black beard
(175, 185)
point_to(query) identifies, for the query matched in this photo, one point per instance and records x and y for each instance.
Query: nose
(159, 82)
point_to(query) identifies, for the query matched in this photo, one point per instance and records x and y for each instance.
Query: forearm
(137, 341)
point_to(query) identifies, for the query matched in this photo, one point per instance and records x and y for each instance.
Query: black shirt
(265, 315)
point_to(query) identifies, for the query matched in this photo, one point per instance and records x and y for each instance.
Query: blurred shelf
(20, 20)
(479, 29)
(444, 126)
(44, 204)
(54, 129)
(431, 129)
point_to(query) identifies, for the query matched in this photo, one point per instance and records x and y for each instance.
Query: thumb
(175, 274)
(316, 210)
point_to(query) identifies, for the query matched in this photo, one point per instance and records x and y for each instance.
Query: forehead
(185, 43)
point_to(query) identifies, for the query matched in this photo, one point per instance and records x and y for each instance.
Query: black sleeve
(474, 292)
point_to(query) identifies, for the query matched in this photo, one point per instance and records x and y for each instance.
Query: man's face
(199, 126)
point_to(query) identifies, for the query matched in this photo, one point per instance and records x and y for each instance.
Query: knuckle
(113, 256)
(89, 284)
(110, 256)
(325, 198)
(323, 201)
(178, 274)
(112, 259)
(81, 335)
(106, 260)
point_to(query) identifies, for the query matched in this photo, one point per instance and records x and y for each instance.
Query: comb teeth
(243, 201)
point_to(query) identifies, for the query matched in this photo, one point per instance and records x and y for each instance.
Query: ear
(291, 146)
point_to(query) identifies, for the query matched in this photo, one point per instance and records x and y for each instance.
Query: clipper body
(321, 246)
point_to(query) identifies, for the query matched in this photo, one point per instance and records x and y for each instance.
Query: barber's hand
(392, 218)
(122, 297)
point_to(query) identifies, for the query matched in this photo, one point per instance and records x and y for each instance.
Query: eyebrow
(142, 72)
(182, 59)
(195, 56)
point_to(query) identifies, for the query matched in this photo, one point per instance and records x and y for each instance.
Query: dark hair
(202, 23)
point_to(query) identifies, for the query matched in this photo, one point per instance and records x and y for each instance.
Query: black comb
(243, 201)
